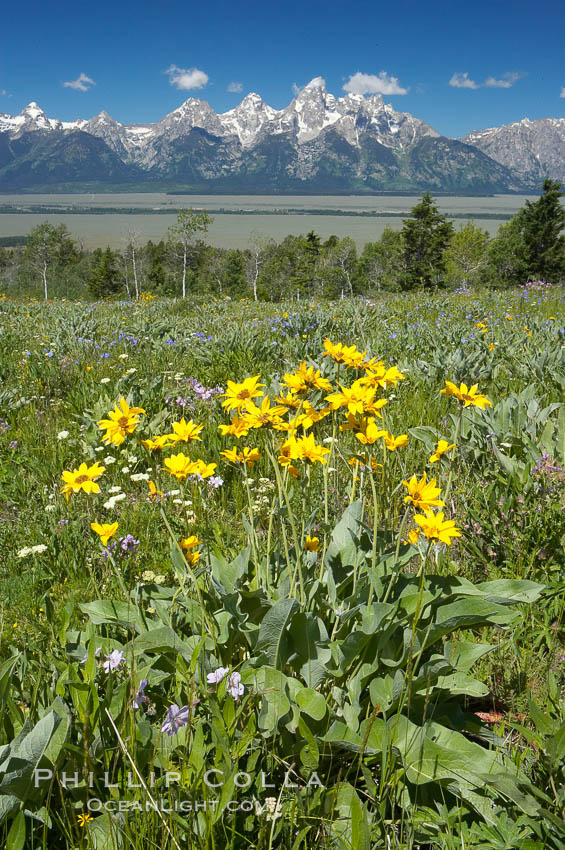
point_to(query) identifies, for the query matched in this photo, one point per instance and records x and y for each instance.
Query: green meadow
(283, 575)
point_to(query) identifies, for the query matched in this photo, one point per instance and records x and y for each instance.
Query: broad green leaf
(114, 613)
(273, 641)
(312, 703)
(505, 591)
(165, 640)
(463, 654)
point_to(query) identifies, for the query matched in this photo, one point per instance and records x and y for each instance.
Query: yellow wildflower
(312, 544)
(157, 443)
(379, 376)
(468, 395)
(104, 530)
(393, 443)
(122, 420)
(238, 395)
(83, 478)
(184, 432)
(238, 428)
(355, 398)
(423, 493)
(347, 354)
(205, 470)
(154, 495)
(246, 455)
(256, 417)
(370, 433)
(192, 557)
(434, 527)
(290, 401)
(309, 451)
(442, 447)
(305, 378)
(310, 415)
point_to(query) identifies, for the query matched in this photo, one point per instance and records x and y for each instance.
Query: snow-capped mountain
(318, 142)
(534, 149)
(313, 110)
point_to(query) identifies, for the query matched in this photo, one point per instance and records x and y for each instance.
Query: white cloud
(505, 82)
(373, 84)
(235, 88)
(187, 78)
(562, 92)
(462, 81)
(81, 83)
(3, 92)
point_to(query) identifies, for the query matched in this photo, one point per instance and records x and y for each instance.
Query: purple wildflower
(235, 688)
(107, 550)
(129, 543)
(175, 718)
(13, 444)
(217, 676)
(140, 697)
(96, 654)
(215, 481)
(113, 660)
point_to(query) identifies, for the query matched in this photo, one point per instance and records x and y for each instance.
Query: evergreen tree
(426, 236)
(104, 279)
(542, 223)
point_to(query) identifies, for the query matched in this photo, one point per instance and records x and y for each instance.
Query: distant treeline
(428, 252)
(43, 209)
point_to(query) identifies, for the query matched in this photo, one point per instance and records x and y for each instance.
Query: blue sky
(462, 65)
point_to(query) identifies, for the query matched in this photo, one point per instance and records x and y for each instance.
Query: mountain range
(317, 144)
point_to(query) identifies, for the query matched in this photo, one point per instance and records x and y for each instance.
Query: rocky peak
(34, 118)
(533, 149)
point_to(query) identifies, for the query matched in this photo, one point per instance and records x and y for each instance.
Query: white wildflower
(32, 550)
(105, 380)
(62, 435)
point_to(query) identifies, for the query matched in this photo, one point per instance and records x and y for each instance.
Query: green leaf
(17, 835)
(272, 687)
(24, 755)
(8, 804)
(556, 745)
(463, 654)
(505, 591)
(227, 575)
(165, 640)
(311, 703)
(309, 752)
(273, 641)
(108, 611)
